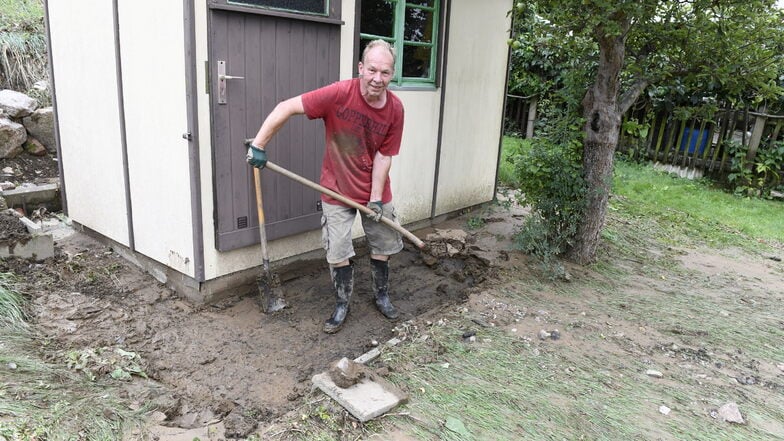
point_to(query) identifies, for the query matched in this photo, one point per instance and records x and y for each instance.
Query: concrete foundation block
(38, 246)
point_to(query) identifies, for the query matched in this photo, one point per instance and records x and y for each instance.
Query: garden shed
(153, 101)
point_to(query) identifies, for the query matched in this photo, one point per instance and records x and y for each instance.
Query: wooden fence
(702, 144)
(520, 115)
(689, 146)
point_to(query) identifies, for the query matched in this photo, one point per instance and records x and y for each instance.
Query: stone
(12, 138)
(544, 335)
(346, 373)
(664, 410)
(40, 124)
(731, 414)
(16, 104)
(654, 373)
(34, 147)
(41, 85)
(368, 356)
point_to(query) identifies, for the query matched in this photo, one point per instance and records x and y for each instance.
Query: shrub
(551, 182)
(759, 176)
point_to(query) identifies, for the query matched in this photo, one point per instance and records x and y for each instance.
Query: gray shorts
(336, 223)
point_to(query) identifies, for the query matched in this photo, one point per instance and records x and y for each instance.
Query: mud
(12, 230)
(226, 361)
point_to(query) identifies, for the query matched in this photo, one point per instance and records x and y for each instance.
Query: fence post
(756, 134)
(529, 126)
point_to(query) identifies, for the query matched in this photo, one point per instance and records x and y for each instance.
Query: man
(364, 126)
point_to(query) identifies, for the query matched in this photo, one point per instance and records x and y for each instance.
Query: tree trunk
(602, 127)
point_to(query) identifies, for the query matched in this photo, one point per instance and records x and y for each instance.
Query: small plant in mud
(476, 222)
(117, 364)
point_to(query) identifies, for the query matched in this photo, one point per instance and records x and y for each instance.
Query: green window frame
(413, 31)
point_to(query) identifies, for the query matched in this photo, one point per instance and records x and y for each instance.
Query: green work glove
(256, 156)
(378, 209)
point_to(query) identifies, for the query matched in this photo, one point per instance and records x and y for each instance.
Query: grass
(674, 199)
(23, 53)
(506, 171)
(44, 400)
(21, 14)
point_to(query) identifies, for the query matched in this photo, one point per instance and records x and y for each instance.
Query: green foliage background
(23, 53)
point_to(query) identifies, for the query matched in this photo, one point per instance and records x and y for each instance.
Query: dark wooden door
(266, 59)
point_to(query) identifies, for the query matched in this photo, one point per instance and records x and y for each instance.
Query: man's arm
(381, 166)
(276, 119)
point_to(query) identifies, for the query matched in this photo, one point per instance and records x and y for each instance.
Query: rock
(3, 204)
(34, 147)
(41, 85)
(346, 373)
(40, 124)
(12, 137)
(781, 366)
(654, 373)
(555, 334)
(731, 414)
(7, 185)
(544, 335)
(16, 104)
(664, 410)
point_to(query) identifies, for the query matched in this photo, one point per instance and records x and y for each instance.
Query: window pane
(419, 25)
(416, 61)
(378, 18)
(310, 6)
(429, 3)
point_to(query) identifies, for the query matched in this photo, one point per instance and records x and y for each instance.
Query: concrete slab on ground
(37, 247)
(367, 399)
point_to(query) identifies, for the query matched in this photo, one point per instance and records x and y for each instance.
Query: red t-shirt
(355, 131)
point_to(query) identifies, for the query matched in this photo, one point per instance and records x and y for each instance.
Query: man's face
(375, 73)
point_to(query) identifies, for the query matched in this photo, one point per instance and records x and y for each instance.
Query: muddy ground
(226, 361)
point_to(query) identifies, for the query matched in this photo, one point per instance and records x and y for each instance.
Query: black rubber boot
(380, 275)
(343, 281)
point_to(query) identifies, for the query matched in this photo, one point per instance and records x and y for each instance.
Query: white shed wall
(153, 67)
(83, 61)
(473, 109)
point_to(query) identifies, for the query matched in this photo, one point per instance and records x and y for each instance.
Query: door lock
(222, 78)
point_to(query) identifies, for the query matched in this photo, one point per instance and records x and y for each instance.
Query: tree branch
(630, 96)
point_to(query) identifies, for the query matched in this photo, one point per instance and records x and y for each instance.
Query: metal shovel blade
(271, 294)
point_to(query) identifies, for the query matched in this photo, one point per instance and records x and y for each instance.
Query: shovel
(337, 196)
(269, 284)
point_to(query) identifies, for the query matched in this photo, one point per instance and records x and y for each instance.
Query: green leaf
(457, 426)
(120, 374)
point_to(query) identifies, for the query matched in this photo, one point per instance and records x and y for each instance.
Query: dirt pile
(12, 230)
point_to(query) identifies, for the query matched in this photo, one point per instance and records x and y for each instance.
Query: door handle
(222, 77)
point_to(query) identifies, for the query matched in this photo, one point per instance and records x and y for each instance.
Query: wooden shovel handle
(337, 196)
(260, 211)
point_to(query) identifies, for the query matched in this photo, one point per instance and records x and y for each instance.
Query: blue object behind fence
(691, 140)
